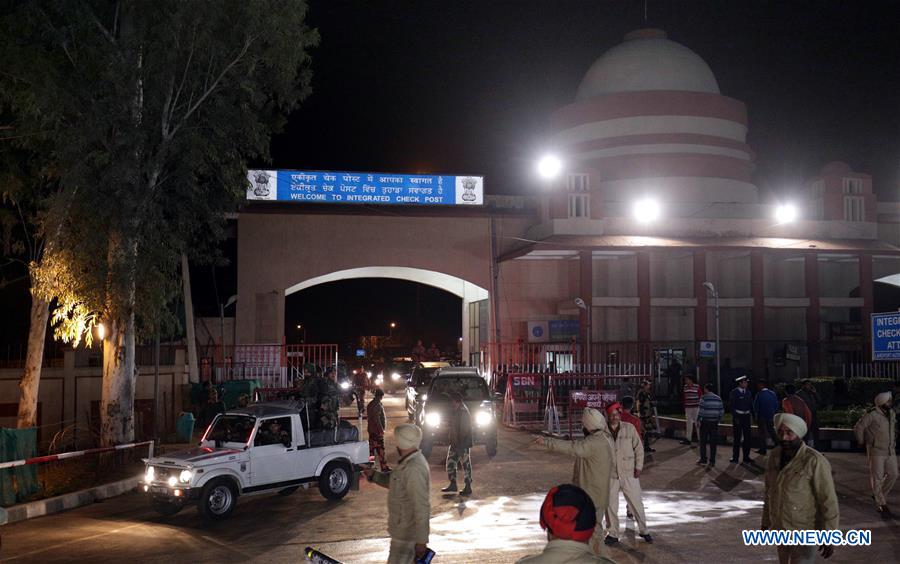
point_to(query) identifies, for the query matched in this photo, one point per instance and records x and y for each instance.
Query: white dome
(647, 61)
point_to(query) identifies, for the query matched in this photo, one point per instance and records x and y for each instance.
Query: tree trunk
(31, 378)
(119, 378)
(193, 368)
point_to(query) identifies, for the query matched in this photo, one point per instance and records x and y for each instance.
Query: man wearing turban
(799, 490)
(593, 465)
(877, 430)
(569, 517)
(409, 497)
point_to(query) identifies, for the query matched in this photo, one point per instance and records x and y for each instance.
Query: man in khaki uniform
(409, 498)
(799, 490)
(593, 465)
(569, 517)
(877, 429)
(629, 457)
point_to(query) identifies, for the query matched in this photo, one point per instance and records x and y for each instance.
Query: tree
(151, 110)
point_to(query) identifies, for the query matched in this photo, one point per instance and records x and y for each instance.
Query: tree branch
(215, 83)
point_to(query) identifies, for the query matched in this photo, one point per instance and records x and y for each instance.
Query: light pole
(222, 307)
(391, 327)
(583, 306)
(302, 335)
(715, 294)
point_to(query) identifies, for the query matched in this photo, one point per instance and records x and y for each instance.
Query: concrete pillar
(586, 293)
(758, 315)
(867, 293)
(643, 282)
(811, 274)
(701, 313)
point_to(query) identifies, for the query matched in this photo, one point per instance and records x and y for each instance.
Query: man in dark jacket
(765, 406)
(377, 423)
(460, 438)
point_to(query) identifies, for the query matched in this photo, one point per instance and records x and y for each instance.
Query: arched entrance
(474, 297)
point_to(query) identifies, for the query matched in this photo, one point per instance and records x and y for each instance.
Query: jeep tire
(217, 499)
(334, 482)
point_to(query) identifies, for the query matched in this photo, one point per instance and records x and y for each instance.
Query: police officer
(377, 423)
(741, 401)
(460, 426)
(646, 405)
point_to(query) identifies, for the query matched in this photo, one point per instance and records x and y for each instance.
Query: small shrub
(864, 390)
(855, 413)
(825, 390)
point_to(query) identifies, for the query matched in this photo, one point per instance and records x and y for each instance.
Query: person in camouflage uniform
(322, 398)
(645, 405)
(460, 439)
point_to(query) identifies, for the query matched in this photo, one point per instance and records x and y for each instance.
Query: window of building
(730, 272)
(838, 276)
(818, 189)
(854, 208)
(578, 186)
(579, 205)
(784, 275)
(853, 186)
(672, 274)
(614, 274)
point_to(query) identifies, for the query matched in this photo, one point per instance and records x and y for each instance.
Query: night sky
(468, 87)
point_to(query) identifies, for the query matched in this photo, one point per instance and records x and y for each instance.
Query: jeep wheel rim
(337, 480)
(220, 500)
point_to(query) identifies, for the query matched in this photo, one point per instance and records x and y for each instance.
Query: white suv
(260, 448)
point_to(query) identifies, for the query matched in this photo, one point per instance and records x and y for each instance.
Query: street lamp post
(302, 330)
(222, 307)
(587, 355)
(715, 293)
(391, 327)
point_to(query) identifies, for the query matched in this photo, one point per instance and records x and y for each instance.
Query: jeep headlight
(150, 474)
(186, 476)
(172, 481)
(395, 376)
(433, 419)
(345, 385)
(483, 419)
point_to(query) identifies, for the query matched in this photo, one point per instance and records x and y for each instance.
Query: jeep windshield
(231, 429)
(472, 388)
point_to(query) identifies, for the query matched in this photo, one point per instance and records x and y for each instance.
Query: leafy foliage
(148, 112)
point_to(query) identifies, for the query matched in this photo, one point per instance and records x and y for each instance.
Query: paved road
(694, 514)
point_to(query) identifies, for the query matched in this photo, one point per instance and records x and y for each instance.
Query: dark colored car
(395, 375)
(418, 384)
(437, 405)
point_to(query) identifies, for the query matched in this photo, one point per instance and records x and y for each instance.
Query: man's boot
(467, 490)
(451, 487)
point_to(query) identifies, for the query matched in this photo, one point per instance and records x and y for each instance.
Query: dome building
(649, 123)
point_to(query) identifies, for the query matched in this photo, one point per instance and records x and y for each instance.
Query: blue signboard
(360, 352)
(564, 329)
(302, 186)
(886, 336)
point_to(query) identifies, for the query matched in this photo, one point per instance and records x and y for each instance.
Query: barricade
(522, 402)
(76, 454)
(577, 391)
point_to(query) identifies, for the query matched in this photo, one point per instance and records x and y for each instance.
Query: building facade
(649, 127)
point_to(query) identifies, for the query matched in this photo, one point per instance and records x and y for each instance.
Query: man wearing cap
(569, 517)
(799, 490)
(629, 456)
(877, 429)
(409, 500)
(741, 401)
(593, 464)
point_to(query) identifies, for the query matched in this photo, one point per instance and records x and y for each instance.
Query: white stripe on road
(75, 541)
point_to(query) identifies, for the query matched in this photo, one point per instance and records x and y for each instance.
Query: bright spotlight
(101, 331)
(549, 166)
(785, 213)
(646, 210)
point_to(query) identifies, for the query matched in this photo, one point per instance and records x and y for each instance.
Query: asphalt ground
(694, 514)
